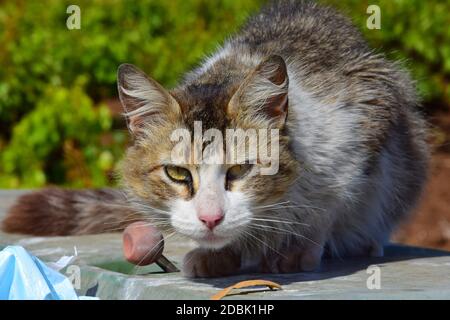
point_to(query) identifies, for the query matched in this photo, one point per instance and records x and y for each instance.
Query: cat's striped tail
(57, 212)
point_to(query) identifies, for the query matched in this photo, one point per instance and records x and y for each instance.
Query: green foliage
(53, 117)
(416, 32)
(54, 124)
(163, 37)
(61, 138)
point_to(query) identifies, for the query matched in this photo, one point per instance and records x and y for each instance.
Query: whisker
(271, 205)
(290, 233)
(126, 220)
(121, 228)
(146, 206)
(280, 221)
(264, 229)
(259, 240)
(288, 207)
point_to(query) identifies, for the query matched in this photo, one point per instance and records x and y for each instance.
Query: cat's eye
(238, 171)
(178, 174)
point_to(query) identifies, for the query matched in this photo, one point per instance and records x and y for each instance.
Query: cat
(352, 153)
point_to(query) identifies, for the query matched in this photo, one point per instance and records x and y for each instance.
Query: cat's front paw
(203, 263)
(293, 260)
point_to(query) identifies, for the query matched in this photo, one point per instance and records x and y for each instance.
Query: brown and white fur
(353, 156)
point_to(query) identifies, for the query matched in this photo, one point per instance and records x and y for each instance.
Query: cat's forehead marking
(206, 103)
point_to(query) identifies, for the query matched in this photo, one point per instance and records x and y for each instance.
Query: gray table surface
(405, 272)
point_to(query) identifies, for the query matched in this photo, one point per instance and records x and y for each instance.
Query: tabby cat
(352, 153)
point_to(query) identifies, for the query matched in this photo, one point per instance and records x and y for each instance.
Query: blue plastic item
(25, 277)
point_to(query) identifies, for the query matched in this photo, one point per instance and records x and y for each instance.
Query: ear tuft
(263, 93)
(144, 100)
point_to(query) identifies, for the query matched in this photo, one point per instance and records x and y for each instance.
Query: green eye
(238, 171)
(178, 174)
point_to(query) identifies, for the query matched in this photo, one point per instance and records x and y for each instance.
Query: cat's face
(179, 169)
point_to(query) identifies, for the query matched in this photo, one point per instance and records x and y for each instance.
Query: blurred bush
(52, 126)
(55, 127)
(415, 31)
(61, 139)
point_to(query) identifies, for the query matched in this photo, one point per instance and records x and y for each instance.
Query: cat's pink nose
(211, 220)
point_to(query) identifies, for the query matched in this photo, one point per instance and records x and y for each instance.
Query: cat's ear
(144, 100)
(264, 93)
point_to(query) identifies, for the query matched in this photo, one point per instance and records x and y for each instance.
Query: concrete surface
(405, 272)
